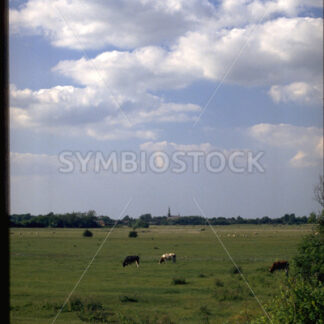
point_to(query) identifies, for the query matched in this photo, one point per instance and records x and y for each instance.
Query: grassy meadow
(201, 287)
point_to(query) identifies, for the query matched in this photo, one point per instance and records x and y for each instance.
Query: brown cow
(280, 265)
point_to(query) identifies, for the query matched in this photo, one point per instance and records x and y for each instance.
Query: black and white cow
(131, 259)
(168, 256)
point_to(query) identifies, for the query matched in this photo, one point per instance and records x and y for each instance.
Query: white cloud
(129, 24)
(279, 51)
(171, 146)
(95, 24)
(283, 53)
(301, 160)
(298, 92)
(93, 112)
(129, 73)
(306, 142)
(101, 133)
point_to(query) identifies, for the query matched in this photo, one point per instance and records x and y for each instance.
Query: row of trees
(90, 220)
(81, 220)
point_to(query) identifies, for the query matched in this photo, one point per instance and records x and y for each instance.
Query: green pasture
(45, 265)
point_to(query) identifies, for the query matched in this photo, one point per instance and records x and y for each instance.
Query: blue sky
(137, 75)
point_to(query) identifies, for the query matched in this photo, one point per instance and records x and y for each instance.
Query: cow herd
(135, 258)
(278, 265)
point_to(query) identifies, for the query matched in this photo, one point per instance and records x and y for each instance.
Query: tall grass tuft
(132, 234)
(87, 233)
(179, 281)
(126, 299)
(236, 270)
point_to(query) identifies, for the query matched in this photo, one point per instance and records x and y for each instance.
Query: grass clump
(88, 310)
(126, 299)
(236, 270)
(87, 233)
(179, 281)
(157, 319)
(132, 234)
(219, 283)
(235, 292)
(204, 310)
(204, 313)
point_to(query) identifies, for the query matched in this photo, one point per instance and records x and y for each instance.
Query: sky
(227, 80)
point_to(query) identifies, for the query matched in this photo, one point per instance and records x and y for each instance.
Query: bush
(87, 233)
(300, 301)
(132, 234)
(309, 262)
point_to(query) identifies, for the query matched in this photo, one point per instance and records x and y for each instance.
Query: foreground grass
(45, 264)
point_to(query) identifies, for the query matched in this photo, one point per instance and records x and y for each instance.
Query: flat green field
(45, 265)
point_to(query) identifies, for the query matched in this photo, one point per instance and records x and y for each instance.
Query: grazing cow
(168, 256)
(131, 259)
(280, 265)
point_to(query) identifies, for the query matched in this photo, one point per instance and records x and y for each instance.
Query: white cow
(168, 256)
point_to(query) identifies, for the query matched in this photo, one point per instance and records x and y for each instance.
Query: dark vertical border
(4, 129)
(322, 84)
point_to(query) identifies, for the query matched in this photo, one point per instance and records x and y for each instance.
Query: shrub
(87, 233)
(299, 302)
(309, 262)
(132, 234)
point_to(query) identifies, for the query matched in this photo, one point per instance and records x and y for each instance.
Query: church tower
(169, 212)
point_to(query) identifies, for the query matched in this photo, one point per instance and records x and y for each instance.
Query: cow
(167, 256)
(131, 259)
(280, 265)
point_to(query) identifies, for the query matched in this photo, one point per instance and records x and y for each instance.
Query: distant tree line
(91, 220)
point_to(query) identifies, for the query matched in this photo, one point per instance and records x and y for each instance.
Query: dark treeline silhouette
(91, 220)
